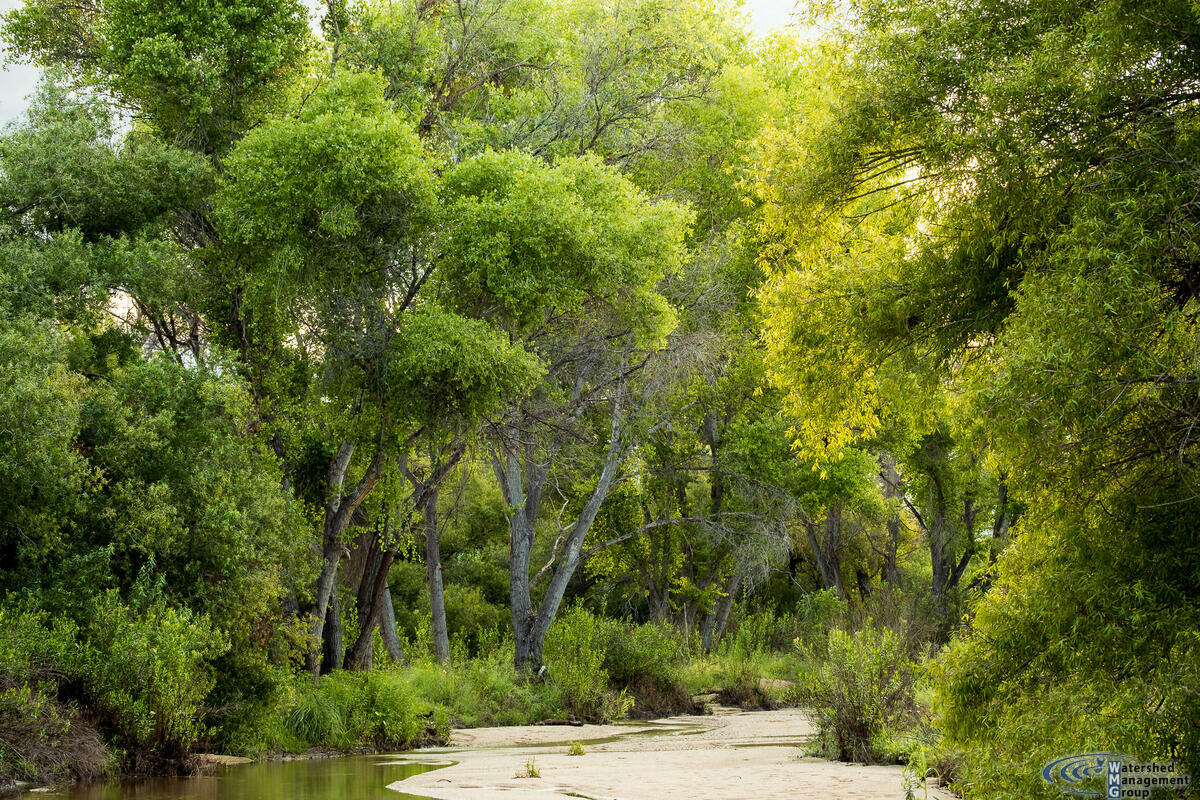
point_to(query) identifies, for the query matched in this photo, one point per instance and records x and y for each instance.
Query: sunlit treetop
(200, 71)
(524, 240)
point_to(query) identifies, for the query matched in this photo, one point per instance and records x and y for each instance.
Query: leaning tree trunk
(339, 509)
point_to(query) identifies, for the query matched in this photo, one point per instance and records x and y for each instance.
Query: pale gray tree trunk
(522, 485)
(433, 568)
(387, 629)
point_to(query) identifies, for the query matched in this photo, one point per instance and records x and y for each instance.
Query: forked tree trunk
(715, 621)
(523, 496)
(339, 509)
(368, 600)
(827, 549)
(891, 491)
(377, 605)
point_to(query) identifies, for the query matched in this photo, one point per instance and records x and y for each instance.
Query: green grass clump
(353, 710)
(487, 691)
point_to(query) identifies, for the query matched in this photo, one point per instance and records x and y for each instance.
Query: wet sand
(731, 755)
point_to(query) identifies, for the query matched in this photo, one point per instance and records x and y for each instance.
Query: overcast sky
(18, 80)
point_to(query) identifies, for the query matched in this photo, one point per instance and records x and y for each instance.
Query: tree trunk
(711, 631)
(333, 649)
(331, 550)
(891, 491)
(938, 557)
(828, 552)
(387, 629)
(524, 498)
(368, 602)
(1003, 520)
(433, 566)
(339, 508)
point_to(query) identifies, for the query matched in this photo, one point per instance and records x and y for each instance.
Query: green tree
(568, 259)
(991, 204)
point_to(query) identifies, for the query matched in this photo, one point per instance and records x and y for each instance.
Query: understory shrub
(147, 674)
(485, 691)
(605, 669)
(574, 654)
(139, 677)
(352, 710)
(44, 740)
(646, 661)
(859, 688)
(747, 667)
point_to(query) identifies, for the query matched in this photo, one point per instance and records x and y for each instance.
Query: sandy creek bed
(730, 755)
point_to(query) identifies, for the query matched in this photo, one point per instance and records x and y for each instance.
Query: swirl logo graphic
(1067, 773)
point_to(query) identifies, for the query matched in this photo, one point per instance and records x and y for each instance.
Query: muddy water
(350, 778)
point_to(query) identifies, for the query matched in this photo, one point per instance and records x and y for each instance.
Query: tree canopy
(551, 340)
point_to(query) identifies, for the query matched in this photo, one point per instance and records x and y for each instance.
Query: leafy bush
(574, 655)
(142, 675)
(470, 618)
(756, 633)
(816, 614)
(646, 662)
(633, 653)
(485, 691)
(44, 740)
(147, 673)
(859, 687)
(42, 737)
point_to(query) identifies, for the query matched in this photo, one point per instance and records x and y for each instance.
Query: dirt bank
(732, 755)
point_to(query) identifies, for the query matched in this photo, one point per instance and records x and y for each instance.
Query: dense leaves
(888, 324)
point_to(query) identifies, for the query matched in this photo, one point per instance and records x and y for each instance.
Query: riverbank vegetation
(485, 362)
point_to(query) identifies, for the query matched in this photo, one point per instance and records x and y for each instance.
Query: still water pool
(350, 778)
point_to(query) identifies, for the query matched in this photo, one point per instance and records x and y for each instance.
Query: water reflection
(352, 778)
